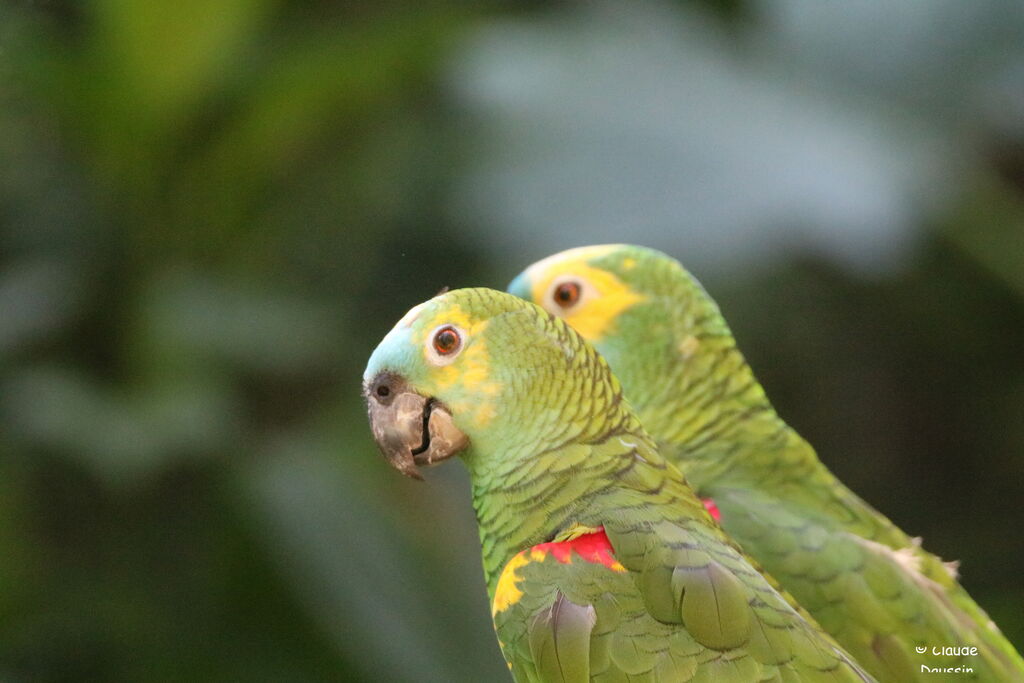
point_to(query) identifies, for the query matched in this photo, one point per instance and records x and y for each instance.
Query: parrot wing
(564, 618)
(889, 606)
(655, 593)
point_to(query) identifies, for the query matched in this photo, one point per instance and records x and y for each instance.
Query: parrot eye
(444, 344)
(447, 341)
(566, 294)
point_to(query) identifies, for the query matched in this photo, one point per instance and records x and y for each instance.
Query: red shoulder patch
(593, 547)
(709, 505)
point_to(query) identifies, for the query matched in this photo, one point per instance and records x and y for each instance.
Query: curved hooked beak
(410, 429)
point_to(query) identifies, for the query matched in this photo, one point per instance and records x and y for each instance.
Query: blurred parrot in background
(601, 563)
(885, 599)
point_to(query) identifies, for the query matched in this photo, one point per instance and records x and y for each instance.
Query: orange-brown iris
(446, 341)
(566, 294)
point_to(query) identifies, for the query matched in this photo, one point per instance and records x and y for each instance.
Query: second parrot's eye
(446, 341)
(567, 294)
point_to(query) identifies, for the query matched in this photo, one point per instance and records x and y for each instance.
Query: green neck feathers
(567, 456)
(692, 387)
(533, 500)
(531, 466)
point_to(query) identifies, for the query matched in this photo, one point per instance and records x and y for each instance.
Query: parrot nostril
(384, 388)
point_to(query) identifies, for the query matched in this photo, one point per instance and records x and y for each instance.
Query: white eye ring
(579, 289)
(438, 347)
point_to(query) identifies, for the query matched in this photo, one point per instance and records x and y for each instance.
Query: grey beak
(410, 429)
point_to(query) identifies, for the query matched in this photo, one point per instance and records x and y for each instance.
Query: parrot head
(597, 289)
(473, 372)
(639, 307)
(588, 287)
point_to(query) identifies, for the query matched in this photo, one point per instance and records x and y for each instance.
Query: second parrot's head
(642, 310)
(631, 302)
(480, 372)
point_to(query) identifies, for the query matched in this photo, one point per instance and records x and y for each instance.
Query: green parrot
(601, 563)
(896, 608)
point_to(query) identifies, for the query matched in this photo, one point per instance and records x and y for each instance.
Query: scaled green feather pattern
(601, 563)
(884, 598)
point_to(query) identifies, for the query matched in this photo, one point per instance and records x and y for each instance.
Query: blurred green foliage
(211, 212)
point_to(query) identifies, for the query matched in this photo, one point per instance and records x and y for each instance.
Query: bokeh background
(210, 212)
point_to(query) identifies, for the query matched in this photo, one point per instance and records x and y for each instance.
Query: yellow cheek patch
(604, 295)
(480, 412)
(594, 319)
(471, 368)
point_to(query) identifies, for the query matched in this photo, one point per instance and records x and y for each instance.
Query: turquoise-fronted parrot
(601, 564)
(890, 603)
